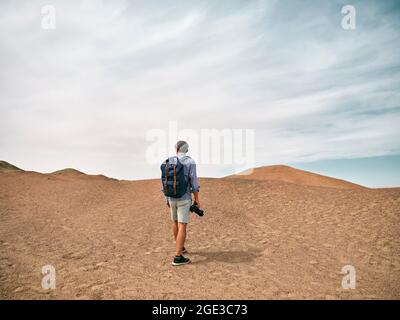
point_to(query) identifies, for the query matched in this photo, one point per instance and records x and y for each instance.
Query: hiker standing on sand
(179, 181)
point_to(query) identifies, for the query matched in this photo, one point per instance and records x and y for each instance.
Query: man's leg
(183, 211)
(174, 217)
(175, 229)
(180, 238)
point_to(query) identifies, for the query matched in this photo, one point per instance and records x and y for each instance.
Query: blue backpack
(173, 178)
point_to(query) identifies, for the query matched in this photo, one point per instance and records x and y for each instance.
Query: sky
(382, 171)
(88, 93)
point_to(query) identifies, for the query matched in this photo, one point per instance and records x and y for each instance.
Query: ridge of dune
(281, 173)
(68, 171)
(6, 166)
(292, 175)
(72, 173)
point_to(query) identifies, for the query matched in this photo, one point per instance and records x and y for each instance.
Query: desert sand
(279, 233)
(292, 175)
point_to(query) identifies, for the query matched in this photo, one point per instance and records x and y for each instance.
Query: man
(180, 206)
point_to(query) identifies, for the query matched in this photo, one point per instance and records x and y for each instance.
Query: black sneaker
(184, 250)
(178, 261)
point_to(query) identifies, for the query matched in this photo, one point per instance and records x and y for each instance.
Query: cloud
(86, 93)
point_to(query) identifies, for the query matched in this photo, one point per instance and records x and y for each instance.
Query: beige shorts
(180, 210)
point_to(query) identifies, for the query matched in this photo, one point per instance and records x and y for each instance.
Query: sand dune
(68, 171)
(5, 166)
(292, 175)
(259, 239)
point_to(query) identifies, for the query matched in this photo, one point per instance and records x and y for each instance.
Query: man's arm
(196, 198)
(166, 198)
(194, 183)
(162, 190)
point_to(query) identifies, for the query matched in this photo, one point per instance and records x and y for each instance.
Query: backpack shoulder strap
(175, 178)
(166, 175)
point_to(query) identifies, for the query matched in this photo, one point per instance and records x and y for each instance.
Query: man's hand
(167, 204)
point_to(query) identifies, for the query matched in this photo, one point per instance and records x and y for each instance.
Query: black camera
(194, 208)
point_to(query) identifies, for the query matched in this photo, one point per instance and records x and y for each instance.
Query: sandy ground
(259, 239)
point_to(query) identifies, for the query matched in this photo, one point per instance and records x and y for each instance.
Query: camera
(194, 208)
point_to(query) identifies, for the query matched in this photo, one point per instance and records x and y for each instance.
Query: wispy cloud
(84, 94)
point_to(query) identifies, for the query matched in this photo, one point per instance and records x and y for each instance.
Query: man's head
(182, 147)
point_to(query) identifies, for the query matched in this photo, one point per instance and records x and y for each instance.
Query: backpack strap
(166, 175)
(175, 179)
